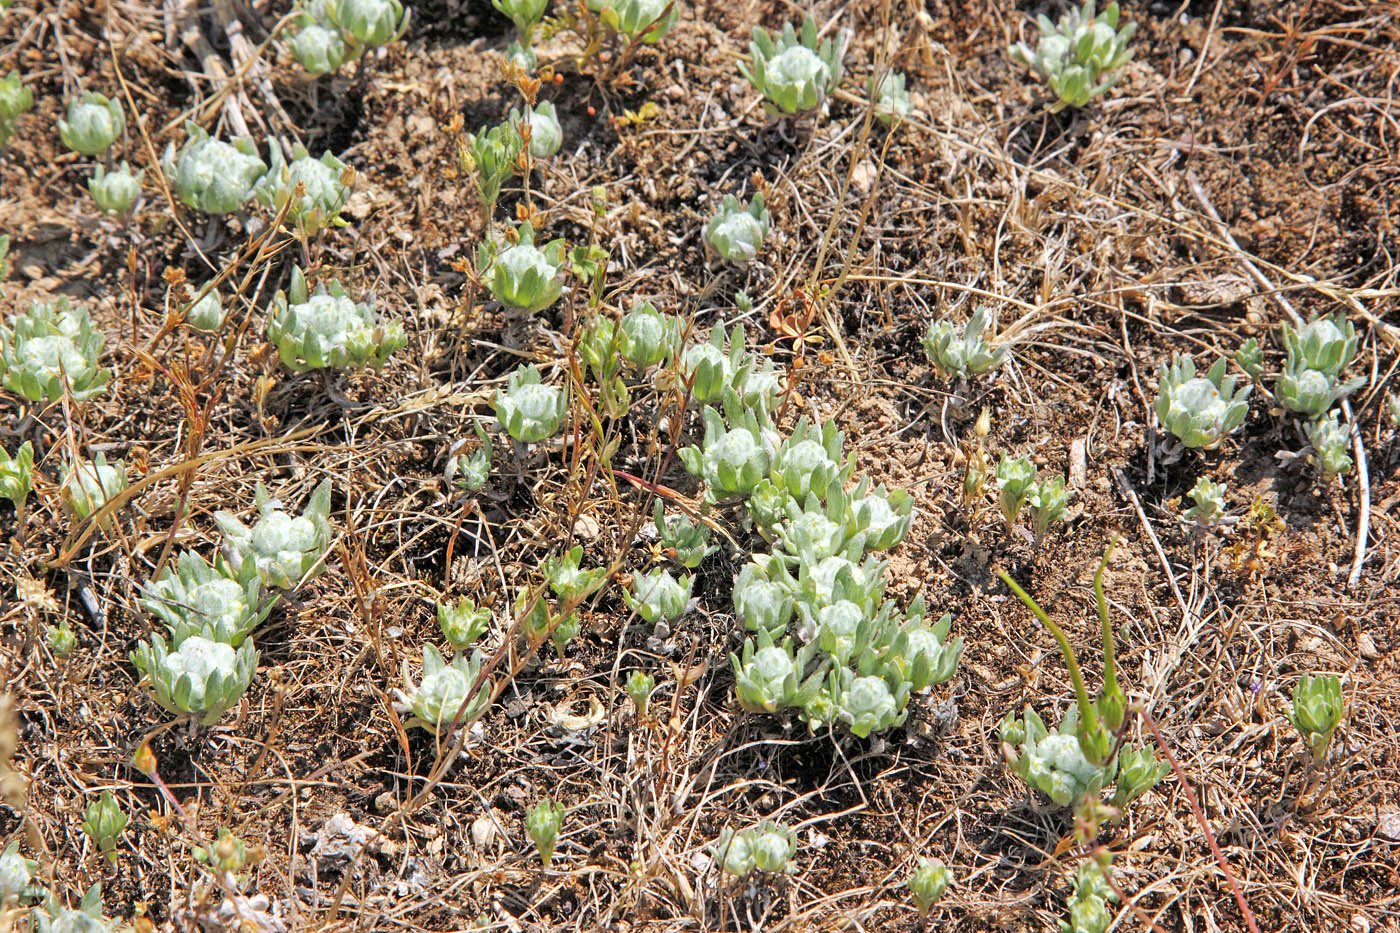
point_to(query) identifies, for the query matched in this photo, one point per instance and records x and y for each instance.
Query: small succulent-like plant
(51, 349)
(738, 230)
(104, 821)
(328, 328)
(16, 875)
(769, 677)
(1048, 500)
(1052, 762)
(1199, 410)
(794, 73)
(462, 622)
(962, 355)
(492, 154)
(94, 123)
(60, 639)
(546, 136)
(523, 277)
(318, 47)
(1078, 58)
(211, 175)
(881, 516)
(1330, 442)
(525, 14)
(870, 704)
(542, 825)
(1317, 354)
(638, 20)
(368, 23)
(568, 582)
(658, 595)
(88, 485)
(1250, 358)
(639, 688)
(474, 469)
(206, 313)
(689, 542)
(890, 98)
(17, 474)
(648, 336)
(927, 882)
(200, 677)
(811, 460)
(15, 100)
(529, 410)
(1015, 479)
(52, 917)
(769, 846)
(115, 192)
(1088, 903)
(1316, 711)
(228, 854)
(283, 548)
(445, 690)
(732, 461)
(325, 186)
(193, 598)
(1209, 499)
(762, 599)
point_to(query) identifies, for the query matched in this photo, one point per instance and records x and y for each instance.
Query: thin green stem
(1087, 713)
(1110, 669)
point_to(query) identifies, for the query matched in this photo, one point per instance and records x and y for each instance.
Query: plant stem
(1087, 713)
(1110, 669)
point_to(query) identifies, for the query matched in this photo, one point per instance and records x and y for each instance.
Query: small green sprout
(325, 184)
(368, 23)
(15, 100)
(329, 329)
(492, 154)
(688, 541)
(525, 14)
(207, 313)
(738, 230)
(104, 822)
(61, 640)
(569, 583)
(1210, 503)
(317, 46)
(1199, 410)
(1317, 710)
(546, 136)
(962, 355)
(732, 461)
(764, 603)
(638, 20)
(16, 875)
(647, 335)
(658, 595)
(462, 623)
(794, 74)
(639, 688)
(193, 598)
(523, 277)
(1088, 905)
(474, 469)
(94, 123)
(769, 847)
(542, 825)
(17, 474)
(52, 349)
(444, 690)
(927, 882)
(1078, 57)
(1015, 478)
(1330, 442)
(529, 410)
(115, 192)
(283, 548)
(201, 677)
(890, 98)
(88, 485)
(228, 854)
(1316, 356)
(210, 175)
(1048, 501)
(1250, 358)
(870, 704)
